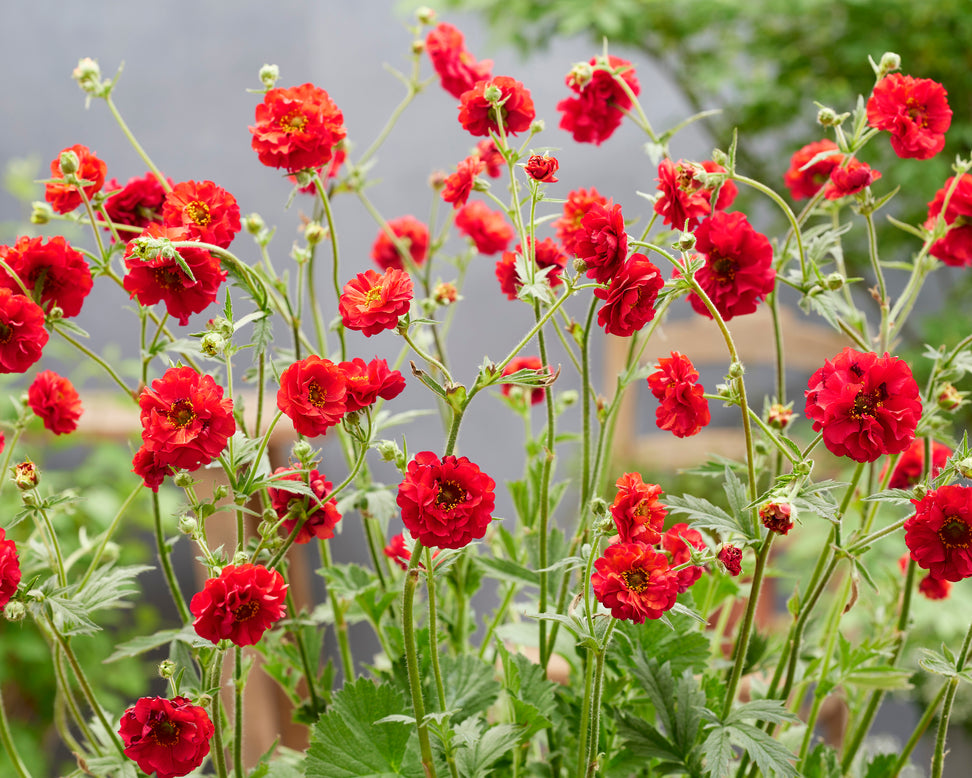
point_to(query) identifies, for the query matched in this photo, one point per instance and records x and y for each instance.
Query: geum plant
(648, 625)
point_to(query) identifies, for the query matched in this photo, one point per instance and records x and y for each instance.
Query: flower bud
(111, 552)
(212, 344)
(302, 451)
(254, 223)
(605, 526)
(537, 126)
(720, 157)
(389, 451)
(269, 75)
(888, 64)
(41, 213)
(88, 76)
(445, 293)
(834, 281)
(55, 314)
(920, 491)
(437, 179)
(167, 668)
(581, 74)
(949, 398)
(736, 370)
(777, 516)
(315, 233)
(26, 475)
(598, 507)
(731, 558)
(779, 415)
(182, 479)
(219, 492)
(418, 47)
(964, 467)
(221, 326)
(425, 15)
(580, 265)
(188, 525)
(686, 241)
(14, 610)
(492, 94)
(303, 178)
(68, 163)
(240, 558)
(827, 117)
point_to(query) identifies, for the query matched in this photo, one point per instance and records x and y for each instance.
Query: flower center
(635, 579)
(373, 296)
(198, 212)
(867, 403)
(450, 495)
(723, 268)
(168, 277)
(916, 112)
(955, 533)
(246, 611)
(293, 122)
(685, 180)
(165, 733)
(642, 509)
(316, 395)
(5, 332)
(181, 413)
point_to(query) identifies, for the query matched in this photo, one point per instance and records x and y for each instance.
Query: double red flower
(638, 513)
(297, 128)
(479, 116)
(168, 737)
(207, 212)
(459, 185)
(850, 179)
(240, 605)
(55, 401)
(955, 247)
(569, 227)
(604, 245)
(9, 569)
(488, 229)
(414, 236)
(367, 382)
(457, 69)
(629, 301)
(318, 514)
(62, 273)
(138, 203)
(914, 110)
(313, 394)
(805, 181)
(597, 107)
(683, 201)
(22, 332)
(371, 303)
(634, 581)
(682, 408)
(939, 535)
(547, 255)
(65, 197)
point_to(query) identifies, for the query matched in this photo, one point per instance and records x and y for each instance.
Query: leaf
(531, 695)
(470, 687)
(770, 755)
(881, 765)
(507, 571)
(935, 663)
(762, 710)
(165, 637)
(475, 757)
(643, 740)
(705, 515)
(717, 751)
(822, 762)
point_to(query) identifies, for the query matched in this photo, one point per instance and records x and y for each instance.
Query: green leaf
(822, 762)
(770, 755)
(506, 570)
(476, 755)
(762, 710)
(470, 687)
(143, 643)
(717, 751)
(935, 663)
(881, 765)
(531, 695)
(704, 515)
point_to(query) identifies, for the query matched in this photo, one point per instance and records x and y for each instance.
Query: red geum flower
(911, 465)
(161, 279)
(414, 236)
(731, 558)
(536, 393)
(55, 401)
(955, 247)
(65, 197)
(634, 581)
(54, 273)
(22, 332)
(150, 467)
(638, 513)
(629, 301)
(371, 303)
(803, 181)
(596, 111)
(138, 203)
(313, 394)
(488, 229)
(492, 157)
(542, 168)
(777, 517)
(866, 405)
(297, 128)
(682, 408)
(167, 737)
(367, 382)
(240, 605)
(457, 69)
(738, 271)
(321, 513)
(850, 179)
(939, 535)
(398, 552)
(914, 110)
(683, 201)
(674, 542)
(445, 503)
(779, 416)
(207, 212)
(569, 227)
(459, 185)
(478, 115)
(9, 569)
(547, 255)
(604, 245)
(186, 422)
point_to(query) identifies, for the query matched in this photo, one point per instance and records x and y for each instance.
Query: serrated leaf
(643, 740)
(761, 710)
(703, 514)
(144, 643)
(881, 766)
(770, 755)
(506, 570)
(475, 758)
(822, 762)
(717, 751)
(470, 686)
(531, 694)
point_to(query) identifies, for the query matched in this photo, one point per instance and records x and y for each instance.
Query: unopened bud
(253, 223)
(269, 75)
(425, 15)
(964, 467)
(41, 213)
(492, 93)
(212, 344)
(220, 491)
(240, 558)
(834, 281)
(302, 451)
(949, 398)
(598, 507)
(55, 314)
(14, 611)
(437, 179)
(315, 233)
(581, 74)
(537, 126)
(606, 526)
(580, 265)
(777, 516)
(221, 326)
(182, 479)
(86, 71)
(731, 559)
(167, 668)
(303, 177)
(445, 293)
(686, 241)
(827, 117)
(920, 491)
(26, 475)
(736, 370)
(779, 415)
(188, 525)
(888, 64)
(68, 163)
(720, 157)
(418, 47)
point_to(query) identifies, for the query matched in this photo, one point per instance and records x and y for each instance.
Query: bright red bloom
(445, 503)
(161, 279)
(682, 408)
(319, 515)
(62, 273)
(167, 737)
(634, 581)
(150, 467)
(186, 422)
(207, 212)
(313, 394)
(678, 549)
(849, 180)
(738, 271)
(604, 245)
(731, 559)
(683, 201)
(548, 254)
(22, 332)
(414, 236)
(804, 182)
(914, 110)
(866, 405)
(629, 302)
(459, 185)
(9, 569)
(64, 198)
(569, 227)
(297, 128)
(488, 229)
(55, 401)
(240, 605)
(536, 393)
(596, 111)
(939, 535)
(398, 552)
(457, 68)
(493, 158)
(138, 203)
(367, 382)
(542, 168)
(479, 117)
(637, 512)
(777, 517)
(911, 464)
(371, 303)
(955, 247)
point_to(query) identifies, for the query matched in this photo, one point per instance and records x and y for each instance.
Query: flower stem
(340, 625)
(166, 563)
(215, 682)
(136, 145)
(919, 730)
(938, 760)
(411, 660)
(9, 746)
(98, 360)
(108, 533)
(237, 712)
(335, 273)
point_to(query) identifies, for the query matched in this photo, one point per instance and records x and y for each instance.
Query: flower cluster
(682, 409)
(315, 516)
(602, 91)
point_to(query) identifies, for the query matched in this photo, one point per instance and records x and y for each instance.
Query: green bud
(686, 242)
(736, 370)
(425, 15)
(188, 525)
(302, 451)
(964, 467)
(26, 475)
(538, 125)
(834, 281)
(492, 94)
(212, 344)
(68, 163)
(41, 213)
(167, 668)
(315, 233)
(219, 492)
(598, 507)
(15, 611)
(182, 479)
(269, 75)
(889, 63)
(253, 223)
(827, 117)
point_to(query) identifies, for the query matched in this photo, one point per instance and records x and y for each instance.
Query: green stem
(9, 746)
(411, 660)
(872, 253)
(136, 145)
(335, 271)
(108, 534)
(919, 730)
(309, 673)
(167, 571)
(596, 708)
(340, 625)
(583, 730)
(216, 683)
(787, 212)
(238, 712)
(938, 760)
(98, 360)
(52, 543)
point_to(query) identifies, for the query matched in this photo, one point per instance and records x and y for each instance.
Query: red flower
(367, 382)
(185, 420)
(914, 111)
(597, 110)
(955, 248)
(64, 198)
(849, 180)
(630, 299)
(167, 737)
(542, 168)
(478, 116)
(604, 245)
(536, 393)
(138, 203)
(313, 394)
(457, 68)
(682, 408)
(911, 465)
(319, 515)
(866, 405)
(939, 535)
(240, 605)
(683, 201)
(637, 512)
(678, 549)
(731, 559)
(779, 416)
(161, 279)
(459, 185)
(397, 551)
(207, 212)
(738, 271)
(62, 273)
(493, 158)
(55, 400)
(445, 503)
(331, 170)
(9, 569)
(931, 587)
(297, 128)
(22, 333)
(804, 182)
(547, 255)
(371, 303)
(777, 517)
(414, 236)
(150, 467)
(569, 227)
(488, 229)
(634, 581)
